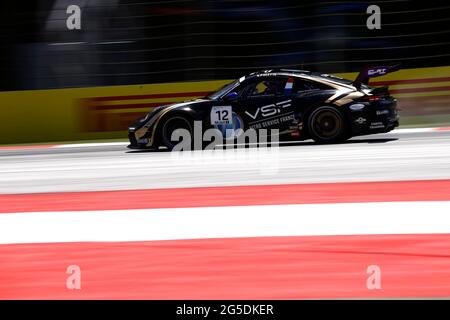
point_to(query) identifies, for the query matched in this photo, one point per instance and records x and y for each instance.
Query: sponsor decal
(379, 71)
(269, 110)
(266, 74)
(231, 130)
(273, 121)
(376, 125)
(381, 112)
(360, 120)
(357, 107)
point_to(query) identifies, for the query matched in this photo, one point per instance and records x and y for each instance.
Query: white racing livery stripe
(227, 222)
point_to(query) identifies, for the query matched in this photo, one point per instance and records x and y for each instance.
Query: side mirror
(231, 96)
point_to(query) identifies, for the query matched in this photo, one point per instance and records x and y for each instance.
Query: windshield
(223, 90)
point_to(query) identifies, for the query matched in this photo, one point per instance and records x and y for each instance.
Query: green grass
(425, 121)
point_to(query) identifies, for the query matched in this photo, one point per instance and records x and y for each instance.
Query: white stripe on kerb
(227, 222)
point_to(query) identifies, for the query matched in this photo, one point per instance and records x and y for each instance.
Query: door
(265, 104)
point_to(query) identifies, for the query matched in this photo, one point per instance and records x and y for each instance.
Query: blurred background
(138, 42)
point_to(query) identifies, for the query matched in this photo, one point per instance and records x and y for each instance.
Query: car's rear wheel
(176, 126)
(326, 124)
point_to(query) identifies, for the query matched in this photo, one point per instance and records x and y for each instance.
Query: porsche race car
(299, 104)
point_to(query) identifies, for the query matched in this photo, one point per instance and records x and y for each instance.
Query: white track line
(87, 145)
(101, 144)
(227, 222)
(402, 159)
(125, 143)
(414, 130)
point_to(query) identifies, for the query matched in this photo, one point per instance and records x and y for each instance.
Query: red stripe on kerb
(426, 190)
(26, 147)
(243, 268)
(442, 129)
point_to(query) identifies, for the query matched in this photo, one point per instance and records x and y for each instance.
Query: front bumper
(139, 141)
(139, 134)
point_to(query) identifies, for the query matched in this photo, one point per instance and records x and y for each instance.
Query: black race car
(300, 104)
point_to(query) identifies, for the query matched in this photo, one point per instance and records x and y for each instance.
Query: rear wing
(372, 72)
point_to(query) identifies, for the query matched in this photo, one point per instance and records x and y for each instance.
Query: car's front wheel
(326, 124)
(177, 129)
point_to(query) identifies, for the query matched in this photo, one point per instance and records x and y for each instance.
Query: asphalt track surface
(299, 221)
(383, 157)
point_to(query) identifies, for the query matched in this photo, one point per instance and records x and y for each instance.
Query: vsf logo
(270, 110)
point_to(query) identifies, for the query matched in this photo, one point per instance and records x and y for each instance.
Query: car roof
(317, 76)
(280, 72)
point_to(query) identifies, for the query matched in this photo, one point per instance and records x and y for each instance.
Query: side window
(265, 87)
(301, 85)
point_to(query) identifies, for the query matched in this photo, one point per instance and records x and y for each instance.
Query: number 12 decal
(221, 115)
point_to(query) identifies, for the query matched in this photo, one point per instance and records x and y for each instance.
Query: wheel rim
(174, 124)
(327, 124)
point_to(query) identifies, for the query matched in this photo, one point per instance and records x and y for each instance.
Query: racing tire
(171, 126)
(327, 124)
